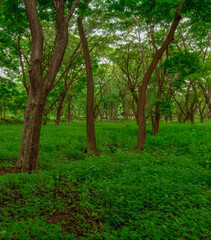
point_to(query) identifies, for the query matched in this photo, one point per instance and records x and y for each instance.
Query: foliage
(160, 194)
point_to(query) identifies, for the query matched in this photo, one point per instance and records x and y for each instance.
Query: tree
(40, 84)
(145, 82)
(90, 113)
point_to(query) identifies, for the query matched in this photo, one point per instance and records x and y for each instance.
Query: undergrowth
(160, 193)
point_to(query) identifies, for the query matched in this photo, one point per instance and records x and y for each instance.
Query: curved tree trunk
(145, 82)
(90, 120)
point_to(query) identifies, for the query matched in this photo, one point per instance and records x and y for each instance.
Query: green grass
(161, 193)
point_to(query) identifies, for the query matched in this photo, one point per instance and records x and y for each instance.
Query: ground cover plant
(96, 102)
(160, 193)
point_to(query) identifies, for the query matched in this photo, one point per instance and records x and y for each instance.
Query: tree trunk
(58, 116)
(179, 118)
(171, 119)
(157, 121)
(90, 120)
(153, 125)
(59, 108)
(145, 82)
(201, 119)
(45, 121)
(29, 150)
(69, 118)
(157, 125)
(166, 119)
(69, 115)
(39, 86)
(191, 118)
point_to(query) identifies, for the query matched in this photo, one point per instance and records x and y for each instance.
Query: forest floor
(160, 193)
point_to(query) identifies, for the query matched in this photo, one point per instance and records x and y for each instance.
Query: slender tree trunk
(179, 118)
(59, 108)
(157, 121)
(69, 115)
(101, 119)
(171, 119)
(202, 112)
(157, 125)
(201, 119)
(166, 119)
(58, 116)
(69, 118)
(153, 125)
(79, 114)
(145, 82)
(90, 120)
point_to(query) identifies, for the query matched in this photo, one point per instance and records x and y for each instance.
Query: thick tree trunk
(145, 82)
(39, 86)
(29, 150)
(90, 120)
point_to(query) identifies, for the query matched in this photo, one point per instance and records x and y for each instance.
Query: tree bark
(191, 116)
(171, 119)
(28, 156)
(179, 118)
(69, 114)
(39, 86)
(90, 120)
(60, 107)
(145, 82)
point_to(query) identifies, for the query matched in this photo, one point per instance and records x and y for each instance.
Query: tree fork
(39, 86)
(145, 82)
